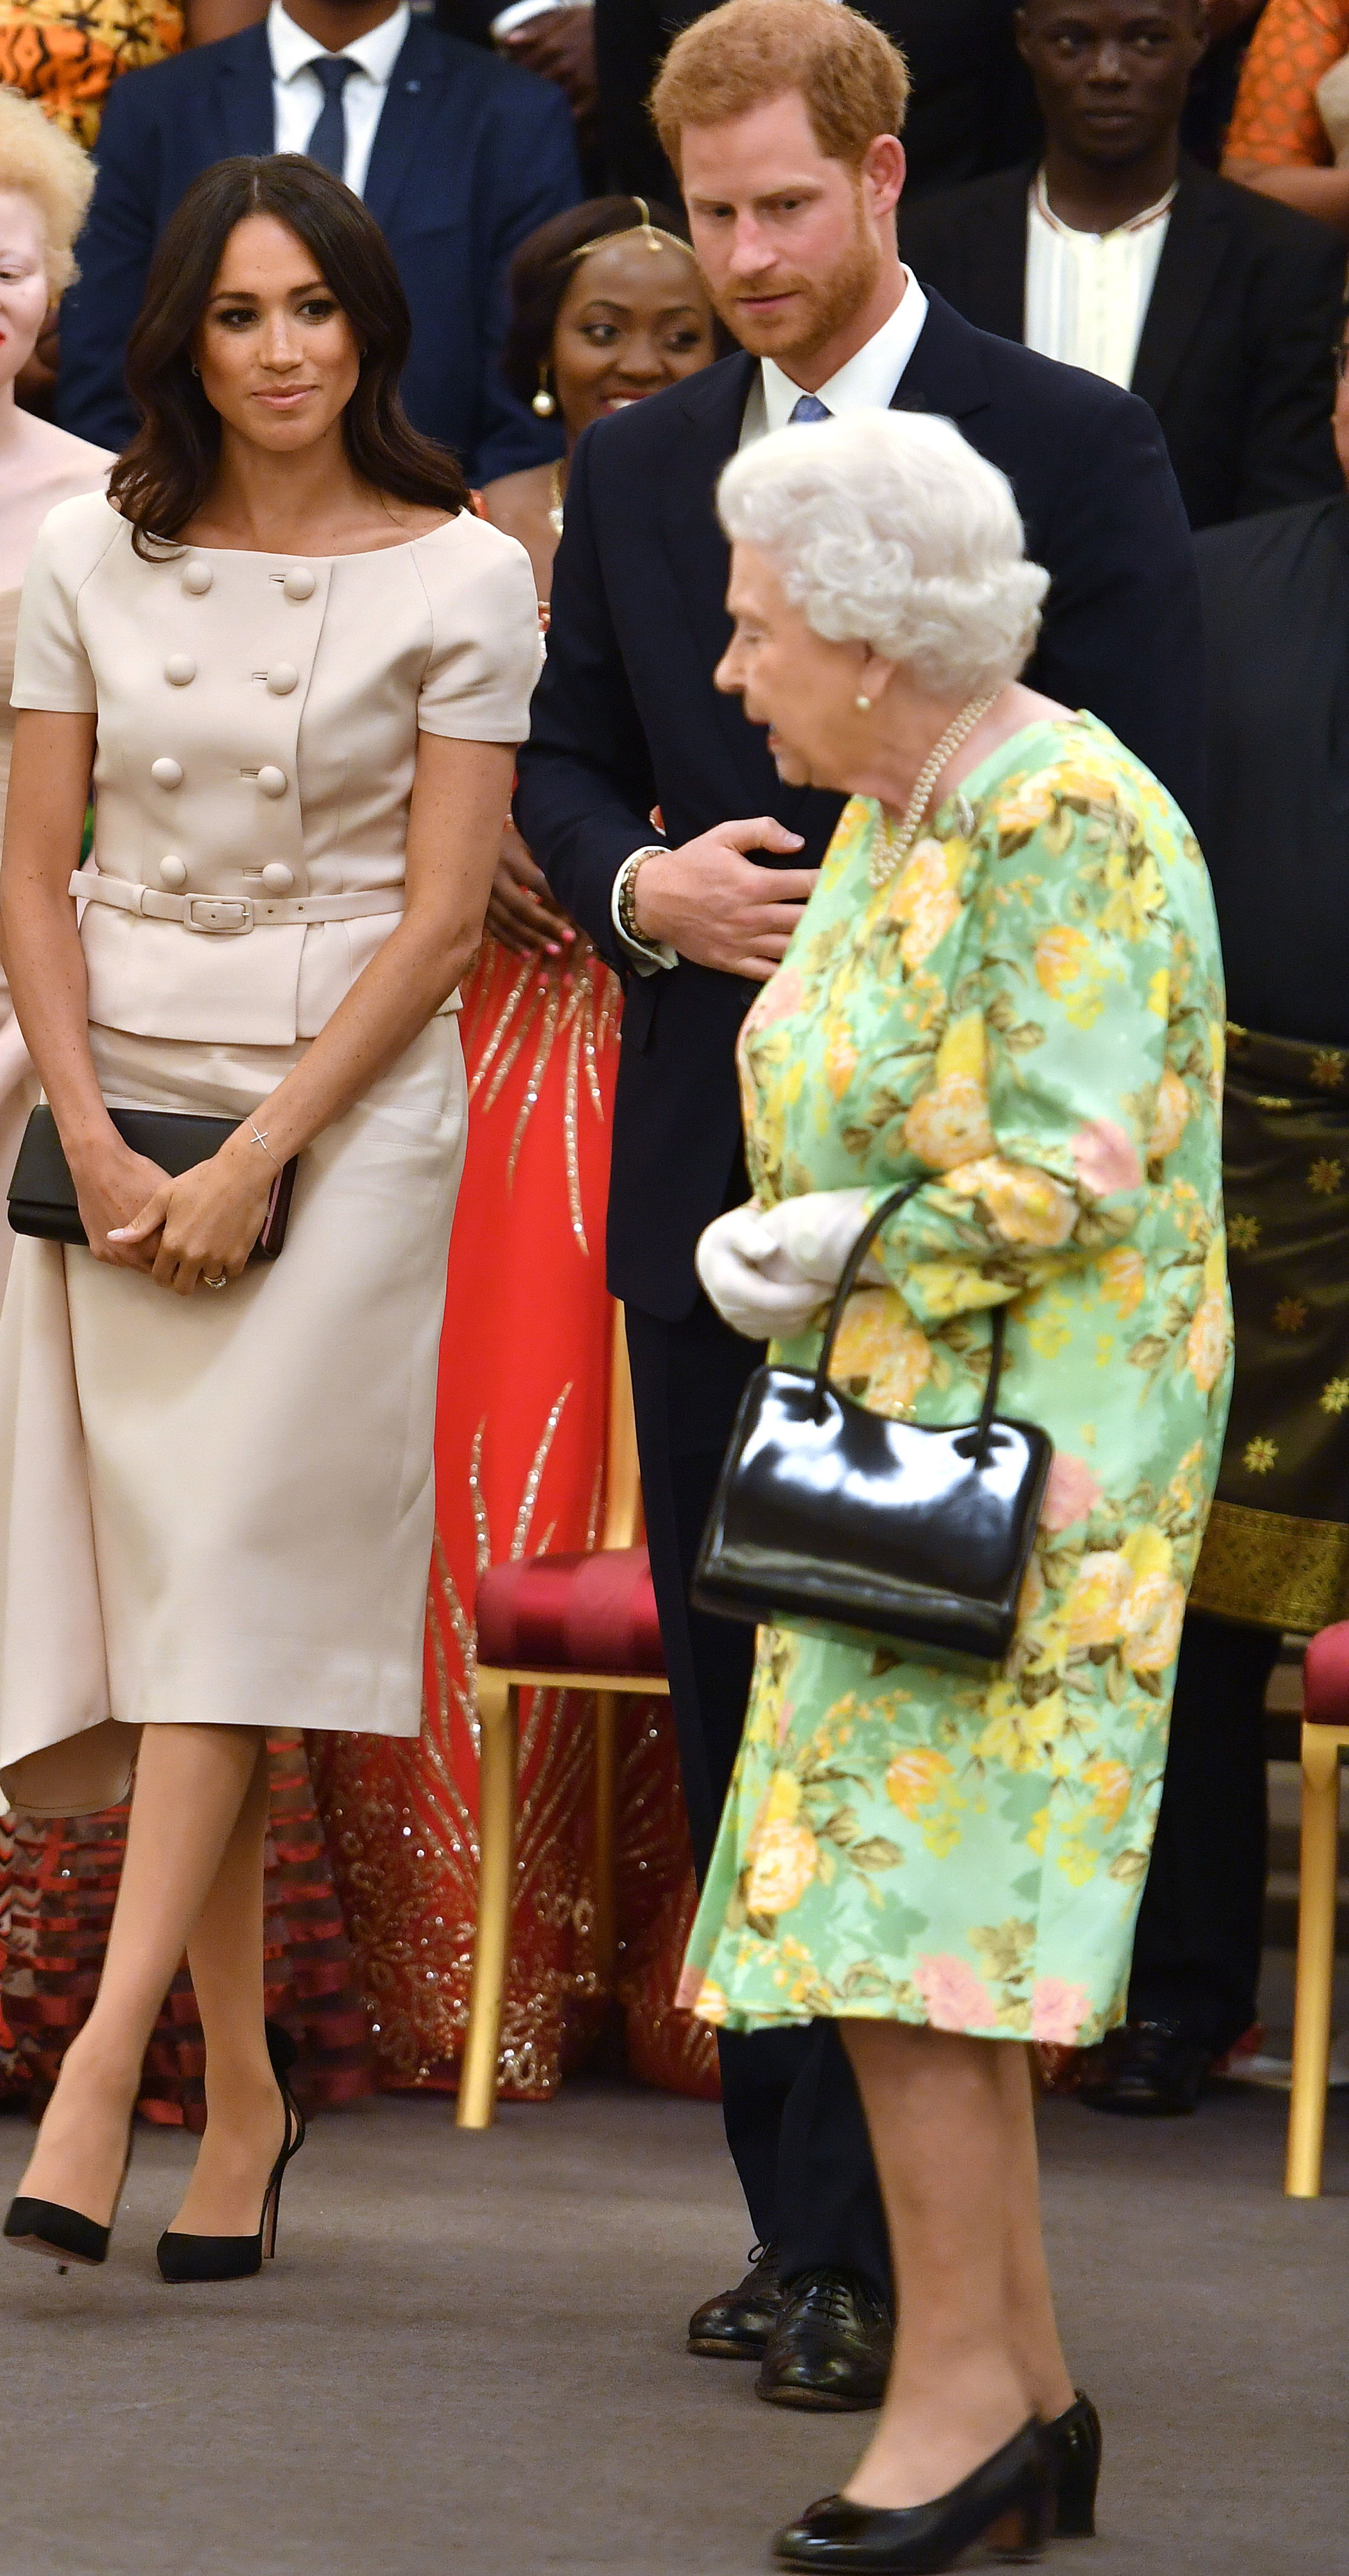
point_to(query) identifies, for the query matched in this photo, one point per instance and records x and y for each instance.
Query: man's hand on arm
(711, 902)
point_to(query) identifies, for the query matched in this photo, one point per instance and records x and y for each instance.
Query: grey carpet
(469, 2357)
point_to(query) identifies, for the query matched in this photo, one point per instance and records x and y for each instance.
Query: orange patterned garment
(520, 1437)
(1276, 123)
(67, 53)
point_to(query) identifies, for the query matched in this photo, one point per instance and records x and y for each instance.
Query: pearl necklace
(896, 842)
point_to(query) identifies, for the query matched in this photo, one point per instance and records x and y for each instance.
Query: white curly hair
(888, 529)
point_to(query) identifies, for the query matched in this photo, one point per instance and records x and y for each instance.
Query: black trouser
(1197, 1951)
(794, 2123)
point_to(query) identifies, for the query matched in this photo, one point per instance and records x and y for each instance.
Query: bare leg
(245, 2123)
(1032, 2325)
(191, 1782)
(938, 2119)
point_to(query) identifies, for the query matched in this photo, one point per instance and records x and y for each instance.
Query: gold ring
(221, 1282)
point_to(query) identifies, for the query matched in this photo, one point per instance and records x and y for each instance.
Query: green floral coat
(1031, 1013)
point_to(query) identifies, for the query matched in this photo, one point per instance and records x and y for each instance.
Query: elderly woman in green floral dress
(1011, 992)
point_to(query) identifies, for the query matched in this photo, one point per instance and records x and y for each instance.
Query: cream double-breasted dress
(219, 1509)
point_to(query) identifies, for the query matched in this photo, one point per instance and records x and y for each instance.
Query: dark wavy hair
(543, 269)
(162, 479)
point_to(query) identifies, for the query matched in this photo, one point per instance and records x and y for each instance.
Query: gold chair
(572, 1623)
(1325, 1735)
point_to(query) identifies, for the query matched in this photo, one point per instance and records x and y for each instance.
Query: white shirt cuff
(508, 22)
(648, 956)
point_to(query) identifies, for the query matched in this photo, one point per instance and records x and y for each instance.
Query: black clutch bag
(827, 1516)
(42, 1196)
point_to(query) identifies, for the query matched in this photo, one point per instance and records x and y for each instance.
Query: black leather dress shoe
(1074, 2440)
(1006, 2505)
(736, 2325)
(1149, 2070)
(830, 2348)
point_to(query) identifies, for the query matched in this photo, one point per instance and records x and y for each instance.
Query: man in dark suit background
(971, 110)
(1119, 254)
(457, 155)
(797, 242)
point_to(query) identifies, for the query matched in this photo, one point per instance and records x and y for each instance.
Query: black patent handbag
(829, 1517)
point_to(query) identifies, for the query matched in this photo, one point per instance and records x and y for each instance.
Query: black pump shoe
(47, 2227)
(1074, 2439)
(1007, 2504)
(238, 2258)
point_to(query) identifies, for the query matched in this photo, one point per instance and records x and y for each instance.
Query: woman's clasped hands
(768, 1270)
(196, 1229)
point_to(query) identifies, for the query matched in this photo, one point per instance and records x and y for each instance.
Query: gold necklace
(555, 500)
(896, 842)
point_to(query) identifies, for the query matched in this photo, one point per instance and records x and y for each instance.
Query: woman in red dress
(608, 307)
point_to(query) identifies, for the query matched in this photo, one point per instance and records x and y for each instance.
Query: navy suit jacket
(626, 717)
(470, 155)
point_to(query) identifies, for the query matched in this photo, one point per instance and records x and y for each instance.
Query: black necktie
(328, 142)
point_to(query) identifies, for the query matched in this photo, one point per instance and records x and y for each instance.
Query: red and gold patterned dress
(521, 1422)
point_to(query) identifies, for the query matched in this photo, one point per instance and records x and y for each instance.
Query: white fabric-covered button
(173, 874)
(277, 877)
(282, 678)
(167, 773)
(179, 669)
(299, 582)
(197, 578)
(271, 780)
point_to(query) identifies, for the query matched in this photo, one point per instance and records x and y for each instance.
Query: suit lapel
(998, 292)
(946, 373)
(419, 77)
(243, 79)
(1192, 254)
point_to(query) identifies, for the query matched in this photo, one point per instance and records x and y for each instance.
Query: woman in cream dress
(45, 186)
(298, 667)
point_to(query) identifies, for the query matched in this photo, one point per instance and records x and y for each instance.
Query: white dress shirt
(297, 99)
(865, 383)
(1087, 294)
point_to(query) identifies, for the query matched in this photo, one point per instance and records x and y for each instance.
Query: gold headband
(653, 235)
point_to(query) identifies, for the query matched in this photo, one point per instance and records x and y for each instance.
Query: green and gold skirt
(1277, 1548)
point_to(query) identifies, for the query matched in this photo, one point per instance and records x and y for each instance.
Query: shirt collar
(868, 381)
(293, 51)
(1136, 223)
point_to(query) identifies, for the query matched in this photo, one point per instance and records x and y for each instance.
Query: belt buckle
(218, 916)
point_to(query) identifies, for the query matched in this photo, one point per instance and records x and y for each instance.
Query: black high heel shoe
(1074, 2439)
(1007, 2503)
(48, 2227)
(237, 2258)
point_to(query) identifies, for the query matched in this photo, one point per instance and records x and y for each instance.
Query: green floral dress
(1031, 1012)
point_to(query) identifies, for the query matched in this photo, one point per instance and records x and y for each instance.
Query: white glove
(768, 1270)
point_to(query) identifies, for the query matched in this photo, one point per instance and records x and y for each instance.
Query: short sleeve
(486, 655)
(52, 669)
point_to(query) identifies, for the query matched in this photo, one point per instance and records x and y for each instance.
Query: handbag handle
(848, 1281)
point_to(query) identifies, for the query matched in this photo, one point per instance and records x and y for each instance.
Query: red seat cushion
(583, 1614)
(1325, 1677)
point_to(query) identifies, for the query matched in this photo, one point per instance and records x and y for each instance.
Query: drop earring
(544, 403)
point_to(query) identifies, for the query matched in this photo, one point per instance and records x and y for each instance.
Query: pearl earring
(863, 705)
(543, 403)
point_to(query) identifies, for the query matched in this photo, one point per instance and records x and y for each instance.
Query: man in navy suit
(657, 813)
(457, 155)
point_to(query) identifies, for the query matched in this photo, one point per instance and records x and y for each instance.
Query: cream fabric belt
(222, 916)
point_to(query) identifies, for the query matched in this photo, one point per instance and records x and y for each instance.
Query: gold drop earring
(544, 402)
